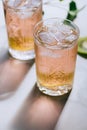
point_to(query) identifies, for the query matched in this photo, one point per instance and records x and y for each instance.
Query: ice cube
(65, 29)
(56, 33)
(24, 14)
(19, 3)
(60, 36)
(47, 38)
(68, 41)
(22, 4)
(35, 3)
(9, 3)
(52, 29)
(71, 38)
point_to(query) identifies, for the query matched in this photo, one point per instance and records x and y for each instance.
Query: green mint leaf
(73, 6)
(61, 0)
(72, 13)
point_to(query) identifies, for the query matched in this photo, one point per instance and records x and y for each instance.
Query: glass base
(61, 90)
(22, 55)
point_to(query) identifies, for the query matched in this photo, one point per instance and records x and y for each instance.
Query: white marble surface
(74, 115)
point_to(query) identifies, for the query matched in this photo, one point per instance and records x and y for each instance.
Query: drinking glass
(21, 16)
(56, 50)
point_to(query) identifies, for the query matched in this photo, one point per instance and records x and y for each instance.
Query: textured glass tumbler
(21, 16)
(56, 50)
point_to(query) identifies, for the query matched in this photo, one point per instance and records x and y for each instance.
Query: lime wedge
(82, 45)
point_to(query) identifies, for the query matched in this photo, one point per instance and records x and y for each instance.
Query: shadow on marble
(39, 112)
(12, 73)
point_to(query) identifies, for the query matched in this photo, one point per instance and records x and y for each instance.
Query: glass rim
(18, 9)
(75, 27)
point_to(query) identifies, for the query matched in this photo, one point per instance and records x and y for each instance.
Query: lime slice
(82, 45)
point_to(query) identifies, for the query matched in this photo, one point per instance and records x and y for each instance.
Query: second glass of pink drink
(56, 51)
(21, 16)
